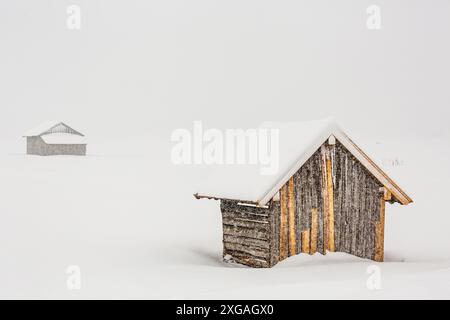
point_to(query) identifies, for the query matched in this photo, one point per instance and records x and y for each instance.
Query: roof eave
(381, 176)
(202, 196)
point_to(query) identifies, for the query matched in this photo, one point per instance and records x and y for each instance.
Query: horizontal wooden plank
(247, 249)
(245, 215)
(251, 241)
(246, 232)
(248, 260)
(233, 206)
(247, 223)
(252, 220)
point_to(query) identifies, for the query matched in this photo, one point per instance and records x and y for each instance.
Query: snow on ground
(126, 216)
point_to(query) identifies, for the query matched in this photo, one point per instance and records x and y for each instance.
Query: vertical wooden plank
(298, 211)
(314, 230)
(379, 233)
(325, 198)
(305, 241)
(330, 219)
(387, 194)
(275, 234)
(283, 223)
(291, 217)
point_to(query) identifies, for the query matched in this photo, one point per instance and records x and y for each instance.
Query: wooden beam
(379, 232)
(387, 195)
(314, 230)
(331, 140)
(283, 223)
(291, 217)
(330, 197)
(324, 198)
(305, 241)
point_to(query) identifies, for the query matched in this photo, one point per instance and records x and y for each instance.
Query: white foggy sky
(140, 68)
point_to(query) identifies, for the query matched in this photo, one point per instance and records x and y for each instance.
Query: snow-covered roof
(43, 127)
(297, 143)
(63, 138)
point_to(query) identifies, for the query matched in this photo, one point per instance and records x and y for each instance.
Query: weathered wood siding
(337, 204)
(356, 204)
(308, 204)
(333, 203)
(247, 233)
(37, 146)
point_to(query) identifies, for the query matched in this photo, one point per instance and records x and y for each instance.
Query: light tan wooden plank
(283, 223)
(325, 198)
(330, 197)
(305, 236)
(387, 195)
(314, 230)
(379, 232)
(291, 213)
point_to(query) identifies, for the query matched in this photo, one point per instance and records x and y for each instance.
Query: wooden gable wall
(333, 203)
(61, 128)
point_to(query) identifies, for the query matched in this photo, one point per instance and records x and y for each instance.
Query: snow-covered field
(132, 72)
(126, 216)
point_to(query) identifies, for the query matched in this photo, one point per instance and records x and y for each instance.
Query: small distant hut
(55, 138)
(328, 196)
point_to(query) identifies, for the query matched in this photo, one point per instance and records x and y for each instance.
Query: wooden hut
(55, 138)
(328, 196)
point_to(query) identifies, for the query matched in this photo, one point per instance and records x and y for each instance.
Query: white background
(137, 70)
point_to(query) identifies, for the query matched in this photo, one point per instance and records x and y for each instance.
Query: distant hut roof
(47, 126)
(297, 143)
